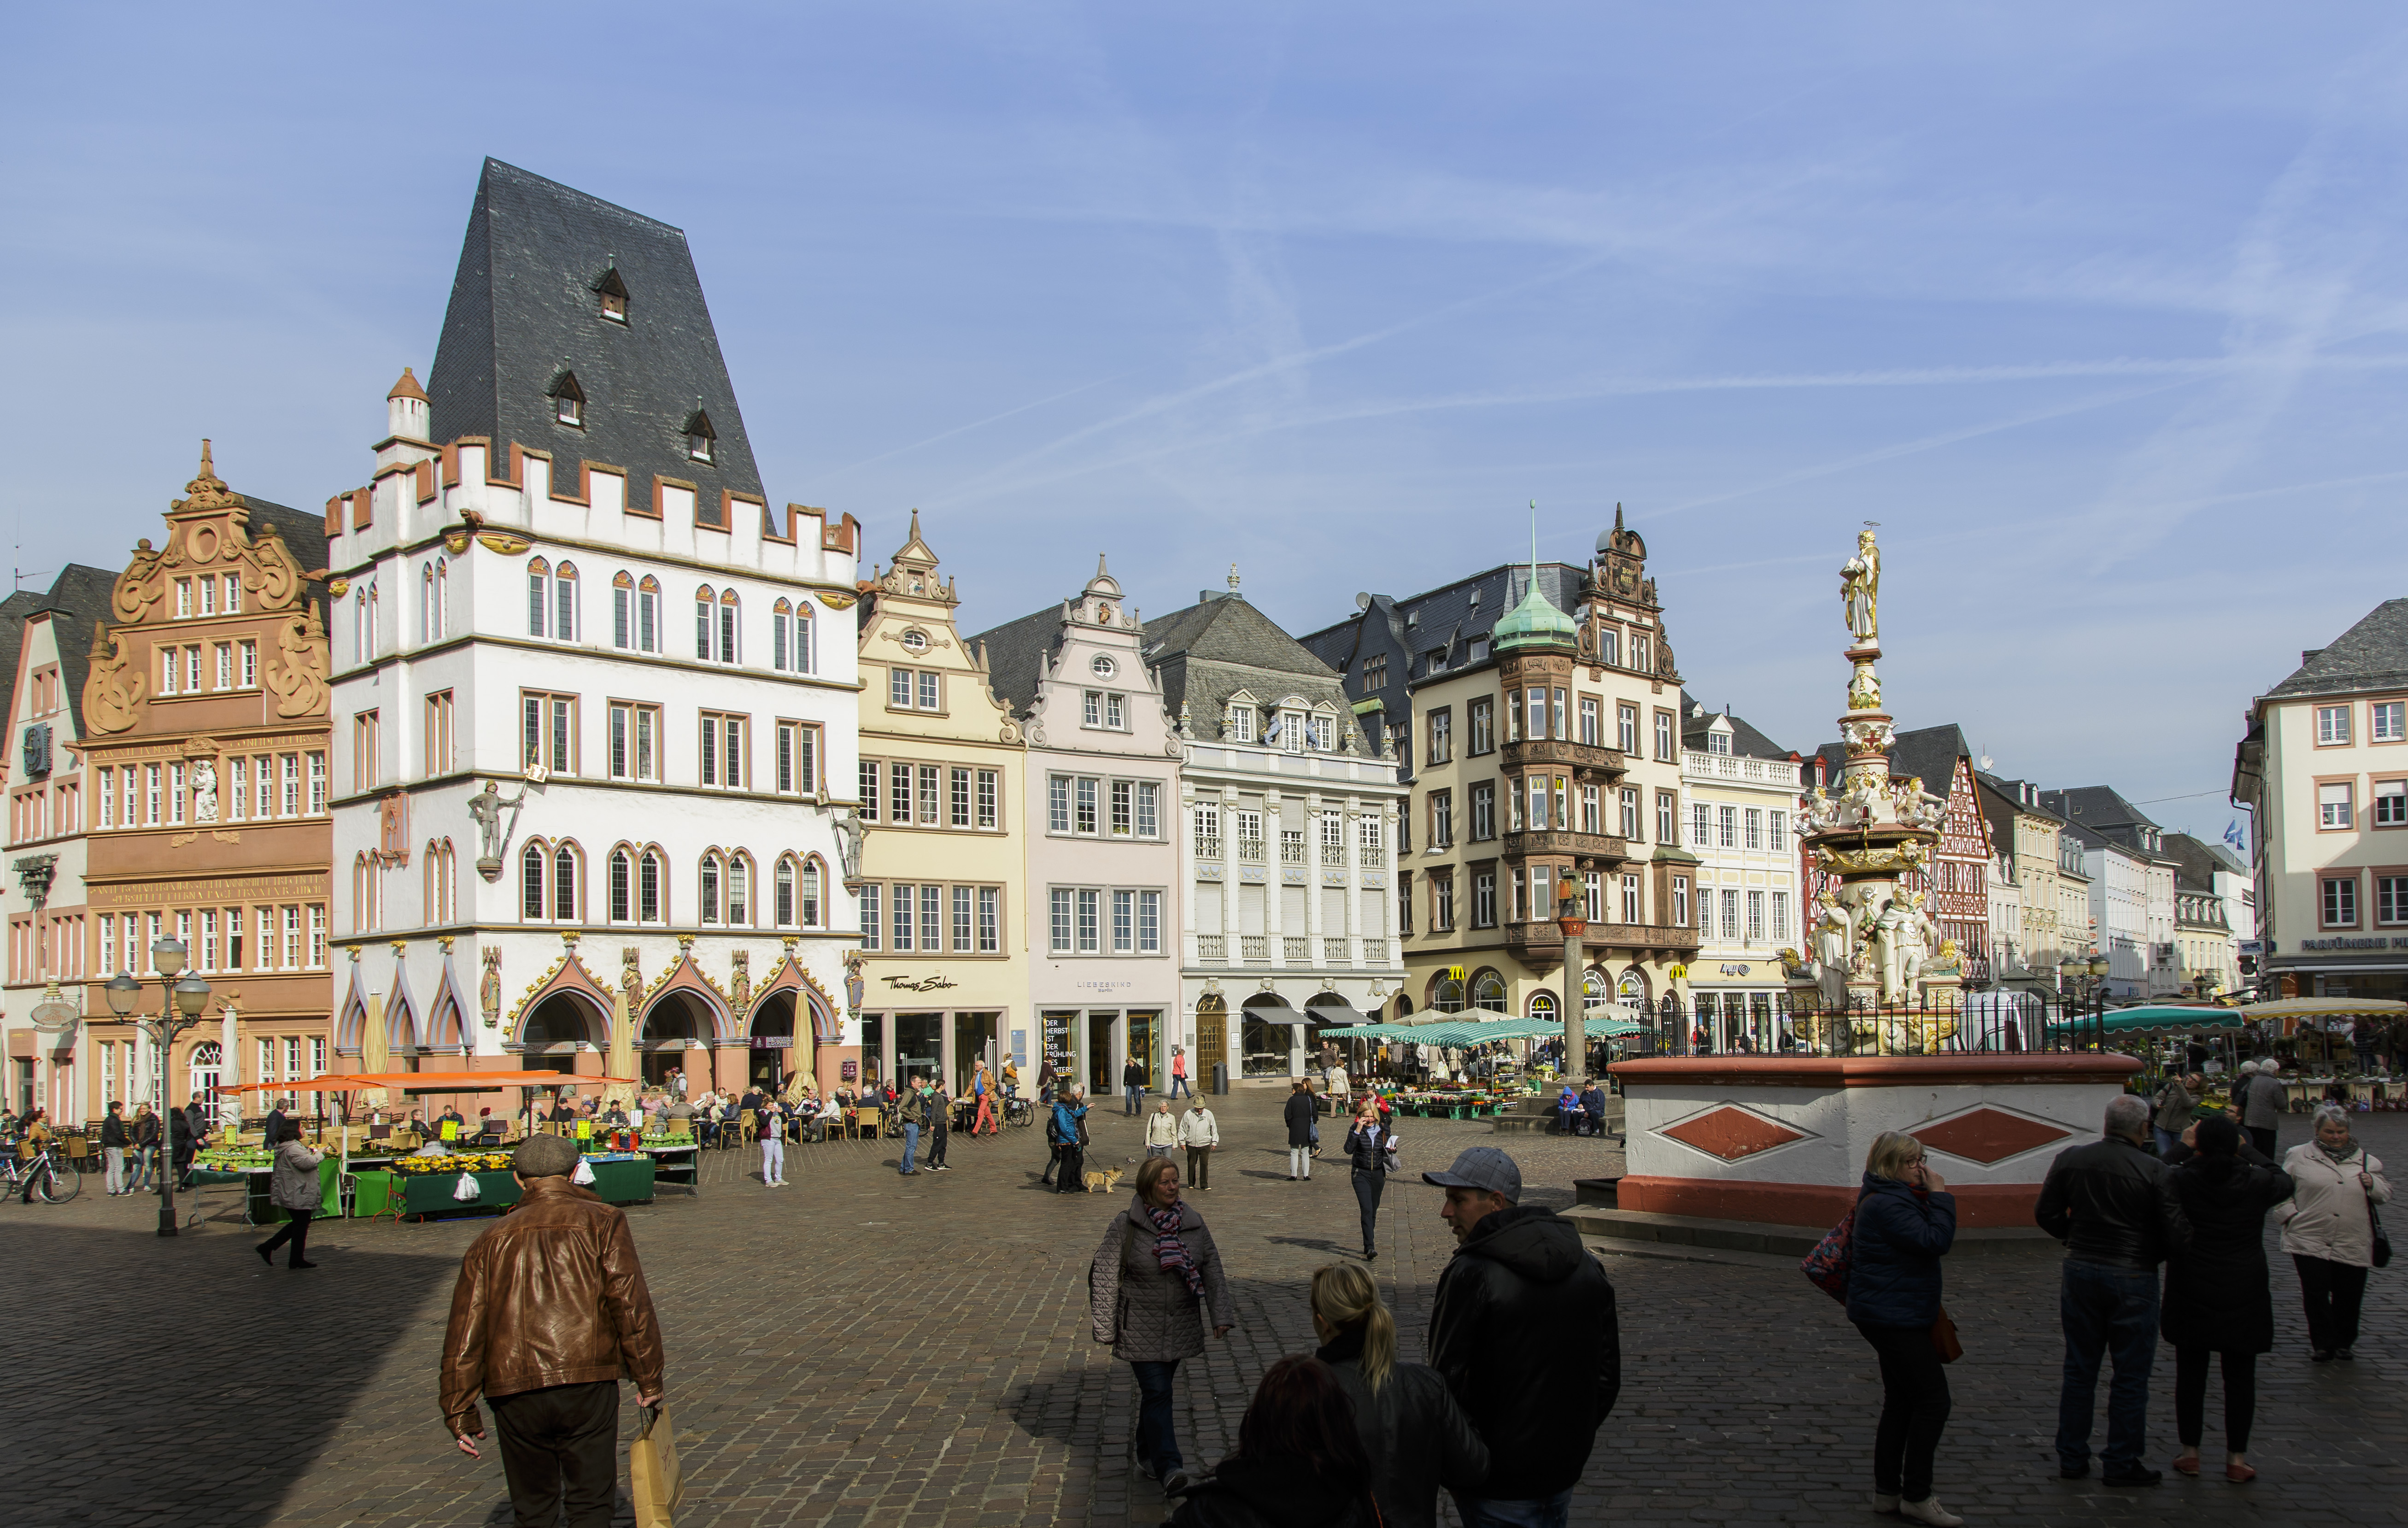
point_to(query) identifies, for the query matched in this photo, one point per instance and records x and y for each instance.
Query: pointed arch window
(565, 884)
(623, 611)
(531, 865)
(568, 398)
(782, 907)
(810, 894)
(623, 871)
(563, 604)
(652, 887)
(727, 624)
(707, 890)
(739, 891)
(647, 614)
(705, 601)
(539, 598)
(789, 637)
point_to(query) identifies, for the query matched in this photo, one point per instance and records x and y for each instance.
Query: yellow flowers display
(493, 1162)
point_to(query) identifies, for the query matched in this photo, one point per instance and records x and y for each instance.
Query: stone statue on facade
(486, 806)
(205, 791)
(849, 831)
(1834, 938)
(489, 985)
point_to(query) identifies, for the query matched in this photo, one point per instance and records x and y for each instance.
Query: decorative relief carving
(297, 673)
(489, 987)
(115, 688)
(508, 546)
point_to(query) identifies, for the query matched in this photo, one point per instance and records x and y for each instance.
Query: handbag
(1943, 1338)
(656, 1480)
(1827, 1266)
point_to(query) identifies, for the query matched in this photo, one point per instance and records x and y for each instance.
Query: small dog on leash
(1105, 1181)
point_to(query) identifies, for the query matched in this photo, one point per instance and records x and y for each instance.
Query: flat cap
(545, 1157)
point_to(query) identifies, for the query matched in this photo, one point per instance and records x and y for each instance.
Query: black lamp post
(180, 1006)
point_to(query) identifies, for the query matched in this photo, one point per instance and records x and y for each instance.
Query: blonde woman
(1416, 1438)
(1906, 1221)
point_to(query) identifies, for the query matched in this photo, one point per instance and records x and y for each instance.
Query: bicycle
(47, 1171)
(1020, 1111)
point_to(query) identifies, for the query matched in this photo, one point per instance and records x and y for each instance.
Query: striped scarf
(1173, 1252)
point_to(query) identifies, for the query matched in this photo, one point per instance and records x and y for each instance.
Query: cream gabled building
(1101, 814)
(1739, 789)
(2323, 772)
(2029, 838)
(943, 964)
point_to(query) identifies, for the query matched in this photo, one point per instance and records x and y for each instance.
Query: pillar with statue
(1873, 979)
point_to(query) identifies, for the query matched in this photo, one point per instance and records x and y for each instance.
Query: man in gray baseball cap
(1524, 1332)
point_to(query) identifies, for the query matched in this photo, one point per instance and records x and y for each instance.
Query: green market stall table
(619, 1178)
(677, 1163)
(255, 1171)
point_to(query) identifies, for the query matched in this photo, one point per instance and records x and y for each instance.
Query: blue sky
(2098, 311)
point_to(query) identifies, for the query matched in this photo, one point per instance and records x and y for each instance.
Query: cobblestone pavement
(863, 1350)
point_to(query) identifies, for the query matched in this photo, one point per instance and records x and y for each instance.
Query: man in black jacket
(1523, 1329)
(113, 1142)
(2113, 1206)
(1133, 1086)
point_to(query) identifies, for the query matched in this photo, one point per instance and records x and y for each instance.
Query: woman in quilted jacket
(1906, 1220)
(1155, 1273)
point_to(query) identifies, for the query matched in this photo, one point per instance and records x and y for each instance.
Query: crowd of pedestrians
(1349, 1435)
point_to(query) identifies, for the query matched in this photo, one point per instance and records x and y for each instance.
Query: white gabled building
(566, 584)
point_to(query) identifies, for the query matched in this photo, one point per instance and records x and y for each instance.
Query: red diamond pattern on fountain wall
(1989, 1136)
(1733, 1133)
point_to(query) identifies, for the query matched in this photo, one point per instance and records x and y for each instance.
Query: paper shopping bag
(653, 1478)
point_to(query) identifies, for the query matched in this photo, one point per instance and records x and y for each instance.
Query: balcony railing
(1333, 854)
(1557, 752)
(1211, 946)
(1337, 952)
(1292, 851)
(1255, 947)
(1250, 850)
(1560, 840)
(1208, 845)
(1538, 934)
(1295, 951)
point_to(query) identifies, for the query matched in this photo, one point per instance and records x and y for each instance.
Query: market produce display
(485, 1161)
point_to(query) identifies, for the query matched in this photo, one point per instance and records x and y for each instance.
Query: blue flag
(2233, 836)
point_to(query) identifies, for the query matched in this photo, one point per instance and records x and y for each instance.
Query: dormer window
(915, 641)
(699, 436)
(613, 294)
(568, 398)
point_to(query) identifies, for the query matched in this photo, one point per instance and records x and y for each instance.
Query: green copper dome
(1534, 622)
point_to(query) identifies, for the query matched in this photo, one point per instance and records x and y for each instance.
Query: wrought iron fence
(1997, 1023)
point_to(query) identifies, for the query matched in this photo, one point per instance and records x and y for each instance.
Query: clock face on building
(1104, 667)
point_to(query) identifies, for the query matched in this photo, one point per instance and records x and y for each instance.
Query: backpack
(1827, 1266)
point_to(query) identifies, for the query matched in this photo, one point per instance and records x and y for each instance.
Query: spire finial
(208, 470)
(1233, 578)
(1617, 515)
(1101, 571)
(1534, 543)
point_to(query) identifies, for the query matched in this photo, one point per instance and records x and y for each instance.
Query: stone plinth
(1784, 1140)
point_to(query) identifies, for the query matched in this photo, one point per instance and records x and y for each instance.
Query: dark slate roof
(2198, 861)
(1928, 753)
(1015, 651)
(1222, 644)
(303, 535)
(524, 303)
(2369, 656)
(2014, 791)
(79, 598)
(2096, 807)
(1746, 742)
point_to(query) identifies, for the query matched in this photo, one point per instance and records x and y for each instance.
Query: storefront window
(1448, 997)
(1055, 1038)
(919, 1045)
(1488, 993)
(1266, 1045)
(971, 1034)
(1145, 1043)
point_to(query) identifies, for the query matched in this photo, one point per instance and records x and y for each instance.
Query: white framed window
(635, 741)
(2333, 805)
(1058, 918)
(789, 637)
(2332, 725)
(990, 919)
(1058, 803)
(989, 798)
(1727, 826)
(1149, 923)
(873, 923)
(798, 758)
(2390, 803)
(2386, 721)
(1239, 723)
(1630, 899)
(2340, 899)
(1083, 806)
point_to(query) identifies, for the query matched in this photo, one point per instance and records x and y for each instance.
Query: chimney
(2309, 654)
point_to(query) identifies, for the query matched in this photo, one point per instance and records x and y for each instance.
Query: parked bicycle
(47, 1170)
(1019, 1111)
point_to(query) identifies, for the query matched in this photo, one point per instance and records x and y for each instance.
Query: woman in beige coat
(1154, 1275)
(2329, 1229)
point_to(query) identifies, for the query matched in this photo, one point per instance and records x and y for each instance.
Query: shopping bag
(582, 1175)
(653, 1478)
(466, 1188)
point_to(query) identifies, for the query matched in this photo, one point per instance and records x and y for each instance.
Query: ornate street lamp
(180, 1006)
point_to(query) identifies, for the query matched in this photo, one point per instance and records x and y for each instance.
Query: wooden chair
(748, 1126)
(865, 1119)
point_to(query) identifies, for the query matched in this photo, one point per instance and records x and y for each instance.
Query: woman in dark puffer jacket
(1298, 1464)
(1906, 1220)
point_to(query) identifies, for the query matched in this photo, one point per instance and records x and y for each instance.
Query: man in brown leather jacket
(549, 1313)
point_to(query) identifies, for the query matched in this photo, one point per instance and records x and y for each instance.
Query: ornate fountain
(1872, 940)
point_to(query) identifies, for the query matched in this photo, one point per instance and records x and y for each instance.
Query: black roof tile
(2369, 656)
